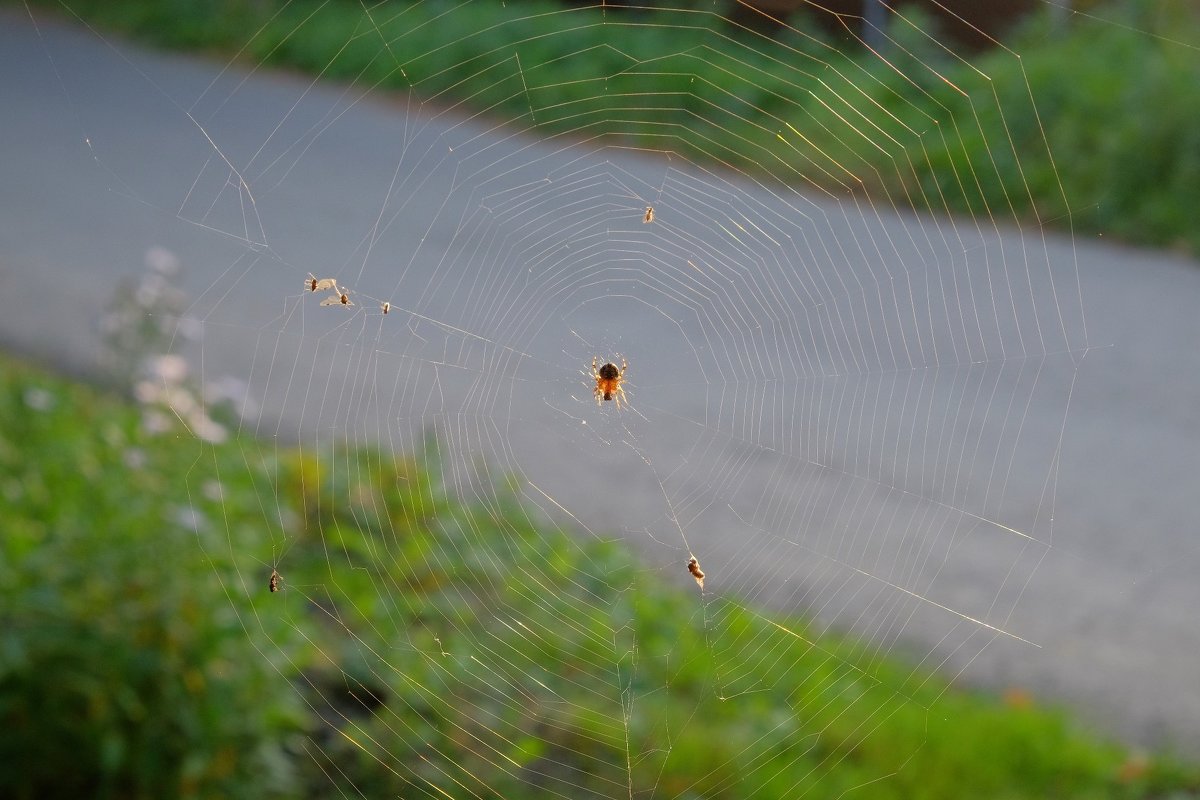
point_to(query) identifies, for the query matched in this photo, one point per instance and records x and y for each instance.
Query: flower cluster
(146, 331)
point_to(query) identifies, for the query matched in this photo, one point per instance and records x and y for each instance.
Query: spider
(649, 217)
(275, 579)
(608, 382)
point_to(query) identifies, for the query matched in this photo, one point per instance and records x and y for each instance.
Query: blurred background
(911, 373)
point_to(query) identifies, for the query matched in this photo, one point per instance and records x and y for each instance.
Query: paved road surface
(1114, 596)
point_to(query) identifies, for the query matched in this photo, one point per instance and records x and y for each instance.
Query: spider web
(844, 410)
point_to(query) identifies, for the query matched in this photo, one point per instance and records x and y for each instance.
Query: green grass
(1116, 101)
(420, 641)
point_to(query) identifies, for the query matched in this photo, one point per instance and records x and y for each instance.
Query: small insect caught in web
(649, 217)
(608, 382)
(315, 284)
(694, 567)
(273, 585)
(340, 297)
(385, 307)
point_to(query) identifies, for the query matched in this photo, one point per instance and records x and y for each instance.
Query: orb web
(848, 412)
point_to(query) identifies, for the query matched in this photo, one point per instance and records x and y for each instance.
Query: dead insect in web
(385, 307)
(649, 215)
(694, 568)
(315, 284)
(608, 382)
(275, 579)
(340, 297)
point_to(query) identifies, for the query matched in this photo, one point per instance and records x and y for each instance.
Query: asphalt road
(1083, 540)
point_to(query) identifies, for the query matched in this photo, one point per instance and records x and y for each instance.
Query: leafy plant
(1113, 95)
(417, 638)
(125, 666)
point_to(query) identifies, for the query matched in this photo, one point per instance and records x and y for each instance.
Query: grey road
(902, 425)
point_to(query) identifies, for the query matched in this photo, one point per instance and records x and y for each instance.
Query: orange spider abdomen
(608, 382)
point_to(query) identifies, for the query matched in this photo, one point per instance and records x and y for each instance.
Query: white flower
(147, 292)
(171, 369)
(39, 399)
(204, 427)
(155, 422)
(162, 261)
(147, 392)
(188, 517)
(180, 400)
(190, 328)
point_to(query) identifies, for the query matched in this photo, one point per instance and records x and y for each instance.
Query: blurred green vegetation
(1116, 100)
(125, 667)
(418, 641)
